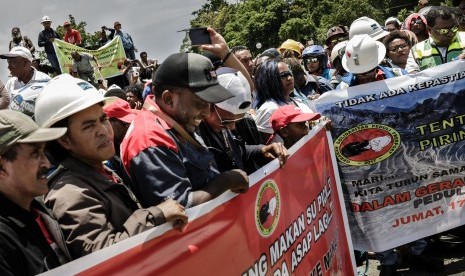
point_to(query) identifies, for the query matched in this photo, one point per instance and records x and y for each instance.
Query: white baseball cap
(18, 51)
(238, 85)
(64, 96)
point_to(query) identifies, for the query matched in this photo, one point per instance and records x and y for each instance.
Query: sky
(153, 24)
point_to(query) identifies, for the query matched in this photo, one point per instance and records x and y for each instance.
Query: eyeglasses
(446, 31)
(228, 121)
(286, 74)
(398, 48)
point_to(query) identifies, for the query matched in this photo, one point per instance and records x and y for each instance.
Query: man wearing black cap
(161, 152)
(30, 239)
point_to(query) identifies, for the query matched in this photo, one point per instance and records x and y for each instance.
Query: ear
(168, 98)
(428, 28)
(3, 172)
(65, 142)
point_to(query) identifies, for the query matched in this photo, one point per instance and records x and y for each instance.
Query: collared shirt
(13, 84)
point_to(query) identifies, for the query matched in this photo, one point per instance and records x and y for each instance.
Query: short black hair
(396, 34)
(116, 92)
(443, 12)
(135, 89)
(143, 53)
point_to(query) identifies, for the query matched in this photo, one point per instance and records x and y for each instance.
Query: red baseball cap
(120, 110)
(66, 23)
(290, 114)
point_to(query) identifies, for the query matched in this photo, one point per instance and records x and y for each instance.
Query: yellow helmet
(290, 44)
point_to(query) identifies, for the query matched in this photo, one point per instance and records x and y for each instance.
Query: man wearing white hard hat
(91, 203)
(46, 38)
(20, 65)
(230, 151)
(362, 58)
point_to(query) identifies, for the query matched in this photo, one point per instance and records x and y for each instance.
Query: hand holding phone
(199, 36)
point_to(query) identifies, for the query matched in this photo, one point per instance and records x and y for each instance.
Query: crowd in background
(86, 162)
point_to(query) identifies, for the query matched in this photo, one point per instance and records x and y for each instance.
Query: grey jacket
(92, 210)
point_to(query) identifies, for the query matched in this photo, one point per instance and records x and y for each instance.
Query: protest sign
(110, 56)
(290, 222)
(399, 144)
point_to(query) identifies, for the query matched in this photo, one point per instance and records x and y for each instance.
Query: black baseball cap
(193, 71)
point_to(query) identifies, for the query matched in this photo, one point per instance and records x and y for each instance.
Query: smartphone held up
(199, 36)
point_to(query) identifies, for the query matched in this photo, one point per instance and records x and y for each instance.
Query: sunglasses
(446, 31)
(398, 48)
(312, 60)
(416, 21)
(228, 121)
(286, 74)
(337, 40)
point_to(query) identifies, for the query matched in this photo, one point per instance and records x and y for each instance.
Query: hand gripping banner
(290, 222)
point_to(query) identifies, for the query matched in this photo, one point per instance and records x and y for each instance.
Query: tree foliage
(271, 22)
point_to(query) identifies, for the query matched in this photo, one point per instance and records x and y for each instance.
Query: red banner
(289, 222)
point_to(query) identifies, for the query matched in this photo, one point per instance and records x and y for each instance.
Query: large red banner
(290, 222)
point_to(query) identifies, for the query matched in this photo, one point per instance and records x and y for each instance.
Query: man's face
(443, 31)
(245, 58)
(187, 109)
(144, 58)
(366, 77)
(27, 173)
(119, 129)
(221, 119)
(89, 136)
(132, 99)
(417, 26)
(391, 27)
(18, 66)
(293, 132)
(47, 24)
(118, 27)
(67, 28)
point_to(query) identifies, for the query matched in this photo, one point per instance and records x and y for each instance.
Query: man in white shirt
(22, 72)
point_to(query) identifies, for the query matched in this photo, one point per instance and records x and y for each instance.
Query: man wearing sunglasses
(445, 43)
(230, 151)
(163, 155)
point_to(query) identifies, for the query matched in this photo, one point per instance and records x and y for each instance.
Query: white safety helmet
(64, 96)
(236, 83)
(338, 50)
(392, 20)
(46, 19)
(365, 25)
(24, 99)
(363, 54)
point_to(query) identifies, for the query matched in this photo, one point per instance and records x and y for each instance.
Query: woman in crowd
(274, 85)
(398, 47)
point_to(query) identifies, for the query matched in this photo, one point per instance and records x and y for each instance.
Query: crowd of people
(86, 164)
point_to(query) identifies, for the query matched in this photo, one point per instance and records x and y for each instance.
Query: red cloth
(42, 226)
(73, 37)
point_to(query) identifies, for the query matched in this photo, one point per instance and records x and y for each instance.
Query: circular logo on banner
(267, 208)
(366, 144)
